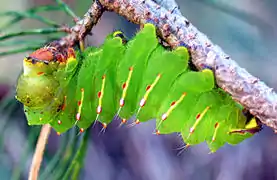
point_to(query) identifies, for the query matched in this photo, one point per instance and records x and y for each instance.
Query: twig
(38, 156)
(177, 30)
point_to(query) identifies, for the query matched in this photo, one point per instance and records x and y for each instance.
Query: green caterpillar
(139, 79)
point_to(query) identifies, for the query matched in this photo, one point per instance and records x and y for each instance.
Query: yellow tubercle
(251, 124)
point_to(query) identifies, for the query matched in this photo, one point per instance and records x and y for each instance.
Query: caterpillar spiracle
(139, 79)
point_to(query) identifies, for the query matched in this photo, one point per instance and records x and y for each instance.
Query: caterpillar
(137, 79)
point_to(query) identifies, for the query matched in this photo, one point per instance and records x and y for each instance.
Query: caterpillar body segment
(253, 124)
(235, 118)
(82, 107)
(201, 117)
(42, 83)
(107, 91)
(219, 128)
(29, 90)
(191, 83)
(131, 69)
(66, 117)
(138, 78)
(157, 81)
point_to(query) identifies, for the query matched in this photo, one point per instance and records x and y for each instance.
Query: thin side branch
(38, 156)
(33, 32)
(177, 30)
(22, 15)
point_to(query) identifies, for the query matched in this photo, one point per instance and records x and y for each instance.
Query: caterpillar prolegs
(139, 79)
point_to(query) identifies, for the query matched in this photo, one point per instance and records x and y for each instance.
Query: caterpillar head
(46, 60)
(41, 77)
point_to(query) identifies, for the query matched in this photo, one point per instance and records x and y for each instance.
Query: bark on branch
(176, 30)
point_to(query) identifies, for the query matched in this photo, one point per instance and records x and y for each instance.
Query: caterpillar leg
(136, 122)
(252, 126)
(182, 149)
(123, 121)
(103, 130)
(81, 130)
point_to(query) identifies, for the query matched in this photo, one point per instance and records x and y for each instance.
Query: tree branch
(169, 5)
(176, 30)
(38, 156)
